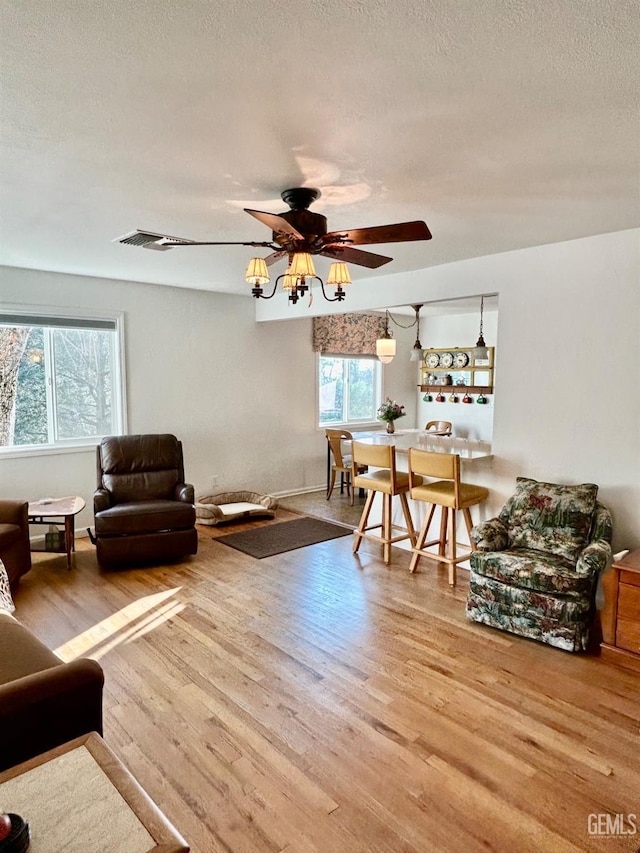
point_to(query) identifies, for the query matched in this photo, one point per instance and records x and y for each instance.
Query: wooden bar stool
(341, 461)
(450, 495)
(389, 483)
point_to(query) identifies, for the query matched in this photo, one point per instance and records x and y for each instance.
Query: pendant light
(416, 352)
(481, 352)
(386, 345)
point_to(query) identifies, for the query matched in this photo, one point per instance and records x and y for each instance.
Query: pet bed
(231, 506)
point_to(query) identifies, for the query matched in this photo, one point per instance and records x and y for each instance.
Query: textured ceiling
(503, 125)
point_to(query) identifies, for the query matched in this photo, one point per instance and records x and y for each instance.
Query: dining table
(435, 441)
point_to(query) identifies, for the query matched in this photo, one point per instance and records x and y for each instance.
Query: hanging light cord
(401, 326)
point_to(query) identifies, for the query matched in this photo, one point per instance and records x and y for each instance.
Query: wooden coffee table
(80, 798)
(60, 511)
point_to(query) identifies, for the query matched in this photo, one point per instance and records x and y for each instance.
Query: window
(60, 381)
(349, 390)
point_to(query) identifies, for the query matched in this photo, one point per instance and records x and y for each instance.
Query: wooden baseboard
(620, 657)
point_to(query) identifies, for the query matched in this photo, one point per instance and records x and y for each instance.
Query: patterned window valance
(347, 334)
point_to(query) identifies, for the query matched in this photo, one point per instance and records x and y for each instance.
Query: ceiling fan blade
(162, 242)
(401, 232)
(275, 256)
(275, 222)
(355, 256)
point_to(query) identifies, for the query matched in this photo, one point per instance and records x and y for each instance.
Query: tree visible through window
(350, 389)
(59, 381)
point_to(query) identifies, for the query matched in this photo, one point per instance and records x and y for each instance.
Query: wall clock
(446, 359)
(461, 359)
(432, 359)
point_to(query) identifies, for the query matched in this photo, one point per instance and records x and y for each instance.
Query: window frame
(119, 397)
(354, 424)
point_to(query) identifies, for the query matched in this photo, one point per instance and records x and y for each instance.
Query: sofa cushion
(552, 518)
(21, 652)
(535, 570)
(144, 517)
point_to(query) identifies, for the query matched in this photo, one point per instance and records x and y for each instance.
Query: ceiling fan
(299, 231)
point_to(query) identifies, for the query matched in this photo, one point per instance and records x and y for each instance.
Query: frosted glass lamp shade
(386, 349)
(481, 351)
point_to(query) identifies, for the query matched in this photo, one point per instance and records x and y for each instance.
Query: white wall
(241, 395)
(568, 407)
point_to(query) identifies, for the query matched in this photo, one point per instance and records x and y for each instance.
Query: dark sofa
(44, 702)
(15, 552)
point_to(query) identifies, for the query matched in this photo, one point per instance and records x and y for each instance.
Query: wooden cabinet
(621, 615)
(477, 375)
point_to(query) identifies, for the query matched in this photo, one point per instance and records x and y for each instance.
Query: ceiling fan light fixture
(257, 273)
(338, 274)
(302, 265)
(289, 282)
(300, 234)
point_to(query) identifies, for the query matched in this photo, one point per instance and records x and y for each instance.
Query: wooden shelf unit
(472, 372)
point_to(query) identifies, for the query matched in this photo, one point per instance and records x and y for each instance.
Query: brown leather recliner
(143, 509)
(15, 551)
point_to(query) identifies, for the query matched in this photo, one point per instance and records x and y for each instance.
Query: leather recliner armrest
(101, 500)
(184, 492)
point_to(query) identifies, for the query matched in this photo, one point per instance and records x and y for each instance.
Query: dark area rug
(273, 539)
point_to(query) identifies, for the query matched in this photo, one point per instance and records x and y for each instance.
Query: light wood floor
(316, 702)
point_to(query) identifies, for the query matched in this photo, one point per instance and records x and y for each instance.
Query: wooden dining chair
(439, 427)
(341, 462)
(450, 495)
(389, 482)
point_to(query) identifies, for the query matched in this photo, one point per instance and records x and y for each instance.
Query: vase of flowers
(389, 412)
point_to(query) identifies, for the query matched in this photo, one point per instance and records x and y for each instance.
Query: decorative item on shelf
(453, 398)
(386, 345)
(389, 412)
(447, 379)
(461, 380)
(467, 399)
(440, 398)
(482, 399)
(427, 398)
(481, 351)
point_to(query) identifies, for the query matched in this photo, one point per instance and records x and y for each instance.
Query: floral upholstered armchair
(537, 564)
